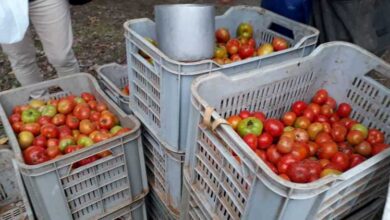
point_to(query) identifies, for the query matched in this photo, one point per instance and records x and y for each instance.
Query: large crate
(160, 89)
(371, 211)
(164, 169)
(249, 189)
(13, 198)
(112, 79)
(94, 191)
(157, 210)
(386, 211)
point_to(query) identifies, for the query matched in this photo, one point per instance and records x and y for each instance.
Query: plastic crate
(14, 203)
(386, 211)
(160, 88)
(96, 190)
(372, 211)
(112, 79)
(164, 169)
(157, 209)
(249, 189)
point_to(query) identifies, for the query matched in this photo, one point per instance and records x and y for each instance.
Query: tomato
(284, 163)
(233, 121)
(49, 131)
(298, 107)
(264, 49)
(300, 151)
(34, 128)
(17, 127)
(344, 110)
(101, 107)
(64, 131)
(279, 44)
(222, 35)
(339, 133)
(273, 155)
(328, 171)
(262, 154)
(320, 97)
(327, 150)
(334, 118)
(285, 145)
(302, 122)
(360, 127)
(15, 118)
(259, 115)
(232, 46)
(289, 118)
(92, 104)
(94, 116)
(315, 108)
(314, 129)
(72, 148)
(87, 96)
(53, 102)
(244, 114)
(246, 51)
(272, 167)
(82, 111)
(87, 160)
(65, 105)
(35, 155)
(17, 109)
(356, 159)
(235, 58)
(322, 119)
(379, 147)
(308, 113)
(220, 52)
(341, 160)
(375, 136)
(324, 162)
(313, 148)
(326, 110)
(245, 30)
(327, 127)
(364, 149)
(72, 122)
(58, 119)
(344, 147)
(298, 173)
(52, 142)
(264, 140)
(40, 141)
(331, 102)
(86, 126)
(301, 135)
(314, 168)
(322, 137)
(44, 120)
(251, 141)
(252, 43)
(355, 137)
(284, 176)
(106, 121)
(274, 127)
(53, 152)
(250, 125)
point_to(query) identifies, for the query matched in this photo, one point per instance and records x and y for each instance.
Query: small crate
(14, 203)
(164, 169)
(112, 79)
(96, 190)
(157, 209)
(160, 88)
(249, 189)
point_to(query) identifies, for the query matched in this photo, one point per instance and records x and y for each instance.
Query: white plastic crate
(160, 90)
(97, 190)
(14, 203)
(371, 211)
(164, 169)
(157, 209)
(112, 79)
(250, 190)
(134, 211)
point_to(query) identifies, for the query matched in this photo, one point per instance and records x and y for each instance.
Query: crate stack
(113, 187)
(160, 89)
(217, 185)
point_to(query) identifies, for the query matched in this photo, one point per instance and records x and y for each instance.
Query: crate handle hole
(281, 30)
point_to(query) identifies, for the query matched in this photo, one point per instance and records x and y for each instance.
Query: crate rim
(260, 10)
(111, 84)
(329, 180)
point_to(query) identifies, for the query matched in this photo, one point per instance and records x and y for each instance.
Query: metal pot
(185, 32)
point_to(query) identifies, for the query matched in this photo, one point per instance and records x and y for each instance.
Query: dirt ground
(98, 33)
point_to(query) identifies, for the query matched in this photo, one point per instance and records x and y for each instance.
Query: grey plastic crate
(14, 203)
(386, 211)
(112, 79)
(164, 169)
(134, 211)
(95, 190)
(371, 211)
(160, 90)
(157, 210)
(249, 189)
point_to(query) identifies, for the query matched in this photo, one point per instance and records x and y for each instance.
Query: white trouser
(52, 23)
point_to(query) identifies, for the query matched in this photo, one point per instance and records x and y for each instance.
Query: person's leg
(23, 60)
(51, 20)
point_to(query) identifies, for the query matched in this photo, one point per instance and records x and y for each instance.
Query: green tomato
(288, 128)
(115, 129)
(361, 128)
(65, 142)
(79, 100)
(30, 115)
(49, 110)
(245, 30)
(250, 125)
(85, 142)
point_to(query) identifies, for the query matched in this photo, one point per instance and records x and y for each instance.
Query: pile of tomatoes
(244, 46)
(48, 130)
(311, 141)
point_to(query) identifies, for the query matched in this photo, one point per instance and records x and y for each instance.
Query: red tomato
(327, 127)
(107, 121)
(356, 159)
(232, 46)
(301, 135)
(44, 120)
(285, 145)
(344, 110)
(233, 121)
(252, 43)
(331, 102)
(326, 110)
(279, 43)
(259, 115)
(364, 149)
(82, 111)
(264, 140)
(246, 51)
(35, 155)
(52, 142)
(244, 114)
(289, 118)
(327, 150)
(273, 155)
(377, 148)
(355, 137)
(322, 119)
(308, 113)
(302, 122)
(324, 162)
(71, 148)
(40, 141)
(375, 136)
(298, 173)
(334, 118)
(251, 141)
(314, 168)
(72, 122)
(341, 160)
(96, 115)
(65, 105)
(17, 126)
(87, 96)
(58, 119)
(92, 104)
(53, 152)
(49, 131)
(339, 133)
(284, 176)
(313, 148)
(300, 151)
(34, 128)
(322, 137)
(298, 107)
(15, 118)
(344, 147)
(262, 154)
(315, 108)
(284, 163)
(274, 127)
(320, 97)
(87, 160)
(272, 167)
(101, 107)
